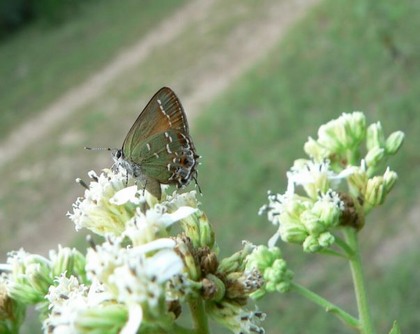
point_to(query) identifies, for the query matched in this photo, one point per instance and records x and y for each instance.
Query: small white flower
(136, 274)
(144, 272)
(102, 210)
(66, 300)
(146, 227)
(74, 307)
(129, 194)
(135, 317)
(314, 177)
(177, 200)
(102, 261)
(58, 295)
(143, 279)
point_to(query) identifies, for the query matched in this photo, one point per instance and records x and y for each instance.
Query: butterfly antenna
(99, 148)
(198, 186)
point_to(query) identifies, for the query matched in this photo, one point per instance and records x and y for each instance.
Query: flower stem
(344, 246)
(177, 329)
(333, 253)
(327, 305)
(366, 326)
(199, 316)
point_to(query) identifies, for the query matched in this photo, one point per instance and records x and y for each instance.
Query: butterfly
(158, 148)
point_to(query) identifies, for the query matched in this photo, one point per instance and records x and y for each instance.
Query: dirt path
(246, 44)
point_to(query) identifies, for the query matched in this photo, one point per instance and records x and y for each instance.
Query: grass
(43, 62)
(329, 64)
(344, 56)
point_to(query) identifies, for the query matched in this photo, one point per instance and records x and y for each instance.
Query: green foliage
(15, 14)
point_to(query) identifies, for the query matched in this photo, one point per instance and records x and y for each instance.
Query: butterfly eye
(118, 154)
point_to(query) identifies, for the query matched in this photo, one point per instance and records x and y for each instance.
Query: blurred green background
(256, 79)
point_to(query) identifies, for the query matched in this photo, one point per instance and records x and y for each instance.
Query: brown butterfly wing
(164, 111)
(159, 145)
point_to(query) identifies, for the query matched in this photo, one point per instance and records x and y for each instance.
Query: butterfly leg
(196, 183)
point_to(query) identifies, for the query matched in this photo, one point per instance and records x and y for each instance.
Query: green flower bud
(326, 239)
(236, 262)
(375, 156)
(374, 194)
(105, 318)
(294, 233)
(375, 136)
(206, 232)
(327, 209)
(24, 292)
(332, 136)
(357, 124)
(198, 229)
(213, 288)
(184, 250)
(191, 227)
(390, 177)
(315, 150)
(262, 257)
(12, 312)
(312, 222)
(30, 277)
(62, 261)
(232, 263)
(69, 261)
(239, 285)
(278, 277)
(343, 133)
(39, 279)
(394, 142)
(357, 181)
(310, 245)
(269, 262)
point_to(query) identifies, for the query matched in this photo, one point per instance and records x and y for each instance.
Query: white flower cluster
(135, 273)
(137, 279)
(128, 285)
(338, 182)
(102, 209)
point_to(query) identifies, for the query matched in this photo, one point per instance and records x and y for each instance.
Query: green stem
(366, 326)
(333, 253)
(177, 329)
(344, 246)
(326, 305)
(199, 316)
